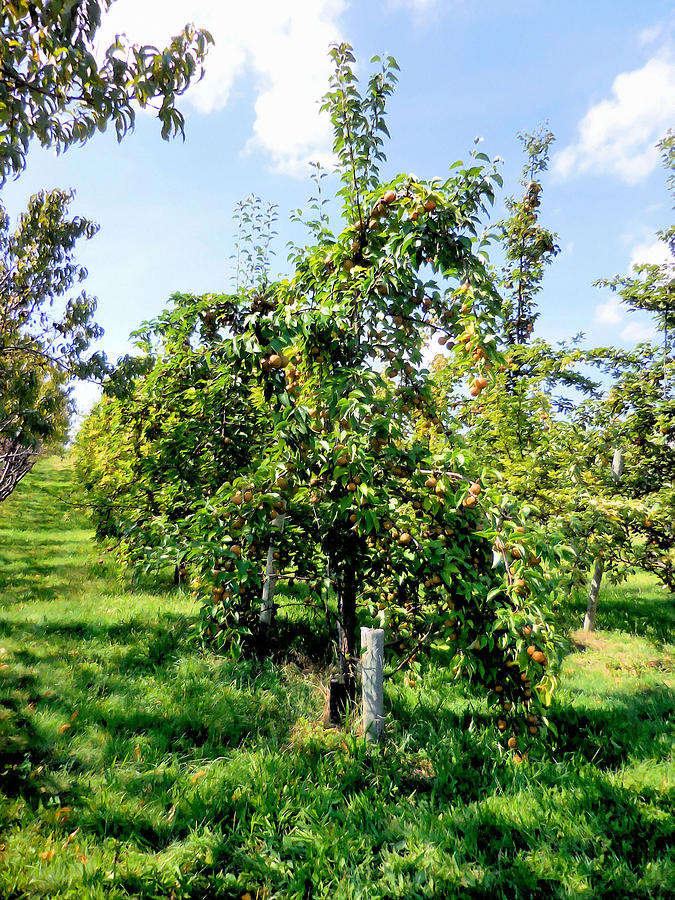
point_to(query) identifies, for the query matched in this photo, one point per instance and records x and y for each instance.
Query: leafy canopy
(55, 89)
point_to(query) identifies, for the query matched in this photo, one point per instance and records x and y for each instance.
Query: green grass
(132, 764)
(640, 607)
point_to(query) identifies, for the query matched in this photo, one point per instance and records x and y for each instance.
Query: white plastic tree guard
(372, 681)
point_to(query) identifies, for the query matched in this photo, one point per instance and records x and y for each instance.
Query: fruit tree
(386, 517)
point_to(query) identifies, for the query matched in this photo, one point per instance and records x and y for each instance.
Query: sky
(599, 73)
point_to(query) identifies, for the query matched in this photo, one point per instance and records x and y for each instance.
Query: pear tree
(387, 516)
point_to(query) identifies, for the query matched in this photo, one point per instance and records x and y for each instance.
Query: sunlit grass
(641, 607)
(134, 764)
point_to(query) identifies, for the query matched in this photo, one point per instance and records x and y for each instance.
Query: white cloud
(661, 32)
(655, 253)
(279, 46)
(611, 312)
(416, 5)
(650, 35)
(614, 313)
(617, 135)
(638, 331)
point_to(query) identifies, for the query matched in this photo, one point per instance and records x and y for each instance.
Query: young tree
(553, 450)
(527, 245)
(159, 445)
(379, 514)
(516, 428)
(169, 431)
(545, 444)
(635, 416)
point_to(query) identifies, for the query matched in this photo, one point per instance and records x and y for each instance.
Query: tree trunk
(16, 461)
(343, 689)
(599, 568)
(594, 593)
(347, 622)
(271, 575)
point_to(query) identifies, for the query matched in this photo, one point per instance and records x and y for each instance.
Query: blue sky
(602, 74)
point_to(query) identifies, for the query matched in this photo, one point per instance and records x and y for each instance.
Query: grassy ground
(134, 765)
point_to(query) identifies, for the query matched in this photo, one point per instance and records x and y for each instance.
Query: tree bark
(594, 593)
(599, 568)
(271, 575)
(347, 622)
(343, 689)
(16, 461)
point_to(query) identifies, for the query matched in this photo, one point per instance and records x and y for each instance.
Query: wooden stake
(617, 465)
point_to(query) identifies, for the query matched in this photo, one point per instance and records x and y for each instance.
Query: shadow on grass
(151, 709)
(44, 583)
(25, 755)
(596, 820)
(633, 725)
(646, 611)
(46, 550)
(307, 644)
(306, 812)
(150, 742)
(169, 631)
(45, 496)
(41, 576)
(115, 685)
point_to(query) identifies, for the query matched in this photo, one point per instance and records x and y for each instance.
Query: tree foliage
(639, 410)
(522, 429)
(163, 447)
(549, 431)
(44, 333)
(528, 246)
(53, 86)
(636, 416)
